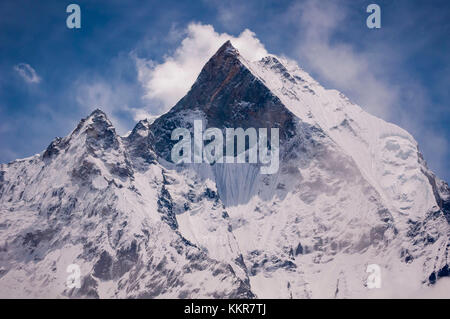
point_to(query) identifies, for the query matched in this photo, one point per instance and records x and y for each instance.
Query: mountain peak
(225, 56)
(226, 94)
(94, 119)
(96, 129)
(97, 111)
(99, 116)
(227, 49)
(140, 129)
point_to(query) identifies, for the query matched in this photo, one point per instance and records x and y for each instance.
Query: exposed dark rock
(443, 272)
(127, 257)
(88, 288)
(299, 249)
(33, 239)
(165, 207)
(55, 147)
(103, 267)
(140, 145)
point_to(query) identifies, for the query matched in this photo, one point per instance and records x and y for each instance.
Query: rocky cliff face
(225, 95)
(351, 190)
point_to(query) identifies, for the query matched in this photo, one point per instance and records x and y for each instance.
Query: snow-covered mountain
(351, 190)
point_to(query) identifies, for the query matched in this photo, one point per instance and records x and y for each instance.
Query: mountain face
(351, 191)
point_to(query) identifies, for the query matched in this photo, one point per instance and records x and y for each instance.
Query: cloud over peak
(165, 83)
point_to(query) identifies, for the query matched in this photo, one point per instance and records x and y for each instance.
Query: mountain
(351, 191)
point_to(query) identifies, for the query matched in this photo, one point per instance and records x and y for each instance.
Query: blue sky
(51, 76)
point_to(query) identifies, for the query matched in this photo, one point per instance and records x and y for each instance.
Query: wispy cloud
(27, 73)
(338, 62)
(110, 98)
(369, 75)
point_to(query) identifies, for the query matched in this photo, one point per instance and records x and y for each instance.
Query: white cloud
(27, 73)
(169, 81)
(140, 114)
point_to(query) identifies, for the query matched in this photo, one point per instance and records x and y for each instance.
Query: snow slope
(351, 190)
